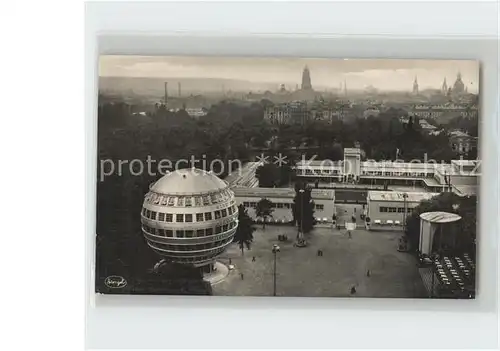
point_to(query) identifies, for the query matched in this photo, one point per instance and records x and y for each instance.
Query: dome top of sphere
(188, 181)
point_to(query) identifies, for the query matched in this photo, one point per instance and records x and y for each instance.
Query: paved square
(345, 261)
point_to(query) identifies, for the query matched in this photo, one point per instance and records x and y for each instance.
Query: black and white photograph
(295, 177)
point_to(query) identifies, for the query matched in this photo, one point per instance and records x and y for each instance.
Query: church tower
(459, 86)
(415, 86)
(444, 88)
(306, 79)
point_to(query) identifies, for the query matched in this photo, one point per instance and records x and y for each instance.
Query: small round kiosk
(438, 232)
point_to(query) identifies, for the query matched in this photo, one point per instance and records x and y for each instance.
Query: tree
(244, 232)
(303, 209)
(269, 175)
(264, 210)
(409, 125)
(286, 174)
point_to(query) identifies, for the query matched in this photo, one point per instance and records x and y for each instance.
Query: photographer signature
(115, 282)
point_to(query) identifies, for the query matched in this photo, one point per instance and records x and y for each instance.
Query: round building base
(217, 274)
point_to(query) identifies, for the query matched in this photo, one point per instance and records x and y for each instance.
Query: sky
(384, 74)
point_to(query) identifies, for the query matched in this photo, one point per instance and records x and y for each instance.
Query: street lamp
(275, 250)
(434, 257)
(405, 196)
(301, 227)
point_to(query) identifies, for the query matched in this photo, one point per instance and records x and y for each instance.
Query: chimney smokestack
(166, 93)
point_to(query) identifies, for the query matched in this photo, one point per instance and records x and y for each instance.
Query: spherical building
(189, 216)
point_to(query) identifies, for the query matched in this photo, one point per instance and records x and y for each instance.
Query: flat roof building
(432, 176)
(392, 207)
(282, 199)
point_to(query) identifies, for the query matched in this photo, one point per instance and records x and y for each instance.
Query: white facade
(393, 206)
(352, 163)
(282, 199)
(431, 175)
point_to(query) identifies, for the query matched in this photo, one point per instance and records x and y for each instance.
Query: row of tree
(272, 175)
(302, 211)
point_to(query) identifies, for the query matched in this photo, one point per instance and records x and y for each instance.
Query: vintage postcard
(302, 177)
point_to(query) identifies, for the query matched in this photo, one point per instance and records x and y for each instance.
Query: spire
(306, 79)
(415, 86)
(458, 86)
(444, 87)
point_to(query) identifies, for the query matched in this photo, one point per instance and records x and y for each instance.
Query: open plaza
(301, 272)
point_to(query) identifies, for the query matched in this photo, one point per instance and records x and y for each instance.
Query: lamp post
(301, 227)
(433, 270)
(275, 250)
(405, 196)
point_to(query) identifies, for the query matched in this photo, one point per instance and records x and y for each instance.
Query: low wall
(384, 227)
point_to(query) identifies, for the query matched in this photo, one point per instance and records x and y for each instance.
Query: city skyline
(383, 74)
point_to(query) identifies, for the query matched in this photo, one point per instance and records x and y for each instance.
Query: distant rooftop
(242, 172)
(288, 193)
(318, 163)
(458, 133)
(399, 196)
(351, 150)
(466, 190)
(396, 164)
(465, 163)
(457, 169)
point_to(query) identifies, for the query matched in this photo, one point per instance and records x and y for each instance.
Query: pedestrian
(368, 273)
(353, 290)
(241, 275)
(230, 261)
(253, 259)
